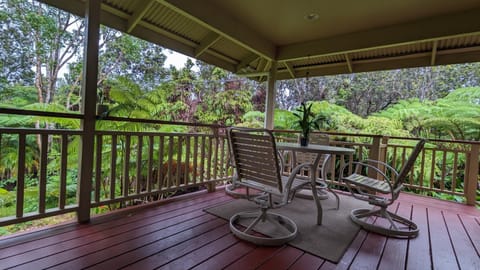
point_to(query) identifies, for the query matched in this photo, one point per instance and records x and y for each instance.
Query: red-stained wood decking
(177, 234)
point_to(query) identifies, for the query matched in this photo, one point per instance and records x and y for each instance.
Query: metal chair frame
(381, 192)
(259, 166)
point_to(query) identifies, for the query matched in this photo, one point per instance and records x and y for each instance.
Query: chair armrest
(293, 175)
(393, 170)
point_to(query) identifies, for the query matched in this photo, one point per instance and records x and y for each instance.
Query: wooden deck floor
(179, 235)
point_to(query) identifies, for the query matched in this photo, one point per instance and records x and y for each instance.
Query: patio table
(317, 149)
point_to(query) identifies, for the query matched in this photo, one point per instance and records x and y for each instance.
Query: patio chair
(324, 165)
(259, 167)
(381, 192)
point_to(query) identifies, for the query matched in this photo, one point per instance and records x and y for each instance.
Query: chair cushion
(367, 182)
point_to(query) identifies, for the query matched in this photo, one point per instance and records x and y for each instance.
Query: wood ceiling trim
(349, 63)
(290, 69)
(434, 52)
(247, 60)
(140, 11)
(440, 27)
(206, 43)
(220, 22)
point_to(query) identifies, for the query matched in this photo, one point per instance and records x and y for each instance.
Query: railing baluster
(223, 169)
(178, 168)
(209, 158)
(195, 159)
(454, 173)
(161, 150)
(432, 172)
(126, 167)
(113, 167)
(150, 163)
(21, 174)
(139, 164)
(170, 161)
(394, 160)
(215, 157)
(422, 168)
(42, 182)
(98, 167)
(202, 158)
(63, 172)
(187, 160)
(444, 165)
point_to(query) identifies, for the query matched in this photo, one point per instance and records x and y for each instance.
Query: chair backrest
(310, 157)
(402, 175)
(319, 139)
(255, 156)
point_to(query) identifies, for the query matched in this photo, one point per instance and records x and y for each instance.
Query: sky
(176, 59)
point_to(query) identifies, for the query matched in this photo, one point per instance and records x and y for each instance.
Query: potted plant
(306, 122)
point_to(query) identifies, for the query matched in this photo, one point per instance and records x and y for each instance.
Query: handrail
(40, 113)
(154, 121)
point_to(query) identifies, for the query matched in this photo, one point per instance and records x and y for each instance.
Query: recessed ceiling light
(311, 17)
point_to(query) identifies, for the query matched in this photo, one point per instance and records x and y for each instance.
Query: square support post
(471, 175)
(270, 100)
(89, 96)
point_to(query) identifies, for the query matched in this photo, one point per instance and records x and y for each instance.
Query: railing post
(211, 186)
(270, 99)
(471, 174)
(375, 154)
(89, 94)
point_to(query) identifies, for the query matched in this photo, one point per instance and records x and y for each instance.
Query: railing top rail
(328, 132)
(40, 113)
(153, 121)
(40, 131)
(153, 133)
(374, 135)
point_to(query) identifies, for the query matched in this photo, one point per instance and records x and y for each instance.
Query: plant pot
(303, 141)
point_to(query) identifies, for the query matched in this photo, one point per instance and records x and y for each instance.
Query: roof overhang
(314, 37)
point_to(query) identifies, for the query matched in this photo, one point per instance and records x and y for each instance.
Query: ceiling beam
(140, 11)
(349, 63)
(247, 60)
(152, 33)
(206, 43)
(444, 57)
(290, 69)
(429, 29)
(434, 52)
(214, 19)
(253, 74)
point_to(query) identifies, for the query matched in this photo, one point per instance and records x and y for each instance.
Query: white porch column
(89, 96)
(271, 92)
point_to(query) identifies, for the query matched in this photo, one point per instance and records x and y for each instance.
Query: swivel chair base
(408, 230)
(282, 223)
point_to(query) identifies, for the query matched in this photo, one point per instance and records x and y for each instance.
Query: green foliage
(253, 119)
(225, 107)
(457, 116)
(306, 119)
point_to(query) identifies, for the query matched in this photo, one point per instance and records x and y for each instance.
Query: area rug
(328, 241)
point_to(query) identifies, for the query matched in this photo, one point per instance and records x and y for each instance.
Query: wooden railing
(129, 168)
(24, 156)
(145, 165)
(445, 169)
(135, 167)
